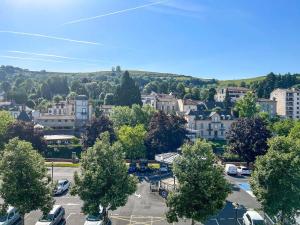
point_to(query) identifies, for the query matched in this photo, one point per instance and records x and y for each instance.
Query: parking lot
(145, 207)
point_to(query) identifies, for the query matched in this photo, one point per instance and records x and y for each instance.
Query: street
(145, 207)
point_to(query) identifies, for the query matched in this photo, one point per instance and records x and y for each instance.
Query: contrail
(51, 55)
(114, 13)
(49, 37)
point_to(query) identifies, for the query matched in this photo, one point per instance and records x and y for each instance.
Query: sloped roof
(24, 116)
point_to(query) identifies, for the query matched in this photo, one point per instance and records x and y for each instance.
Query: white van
(11, 217)
(230, 169)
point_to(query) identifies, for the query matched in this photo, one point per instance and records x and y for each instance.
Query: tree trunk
(22, 219)
(105, 216)
(193, 222)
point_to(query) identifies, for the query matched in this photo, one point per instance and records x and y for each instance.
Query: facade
(208, 125)
(83, 110)
(2, 96)
(164, 102)
(288, 102)
(235, 93)
(65, 115)
(267, 105)
(184, 105)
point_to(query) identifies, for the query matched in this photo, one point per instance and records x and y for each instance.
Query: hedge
(62, 151)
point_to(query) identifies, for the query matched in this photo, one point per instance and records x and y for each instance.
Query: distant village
(205, 119)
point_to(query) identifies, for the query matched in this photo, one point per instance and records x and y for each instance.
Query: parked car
(132, 167)
(230, 169)
(62, 186)
(243, 170)
(55, 217)
(11, 217)
(95, 220)
(164, 168)
(252, 217)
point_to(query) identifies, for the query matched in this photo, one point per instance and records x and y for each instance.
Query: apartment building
(288, 102)
(202, 123)
(235, 93)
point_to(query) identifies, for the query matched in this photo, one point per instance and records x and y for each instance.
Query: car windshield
(46, 218)
(3, 218)
(94, 218)
(245, 169)
(61, 182)
(258, 222)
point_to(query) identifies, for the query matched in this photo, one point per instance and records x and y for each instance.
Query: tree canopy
(96, 127)
(132, 140)
(166, 133)
(103, 179)
(276, 179)
(128, 93)
(25, 183)
(202, 188)
(246, 106)
(5, 121)
(247, 137)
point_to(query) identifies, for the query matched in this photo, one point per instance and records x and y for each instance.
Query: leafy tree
(166, 134)
(246, 106)
(123, 115)
(25, 131)
(211, 95)
(152, 86)
(128, 92)
(180, 90)
(276, 179)
(132, 140)
(97, 127)
(6, 87)
(5, 121)
(19, 96)
(103, 179)
(283, 127)
(109, 99)
(202, 188)
(57, 98)
(227, 100)
(25, 184)
(247, 137)
(295, 131)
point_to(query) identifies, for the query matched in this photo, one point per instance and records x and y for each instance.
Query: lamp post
(52, 172)
(236, 207)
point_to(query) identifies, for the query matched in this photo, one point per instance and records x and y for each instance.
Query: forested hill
(22, 85)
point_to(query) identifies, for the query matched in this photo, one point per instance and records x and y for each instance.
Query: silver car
(11, 217)
(55, 217)
(62, 186)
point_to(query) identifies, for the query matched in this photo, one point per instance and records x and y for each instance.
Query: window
(201, 133)
(201, 125)
(83, 110)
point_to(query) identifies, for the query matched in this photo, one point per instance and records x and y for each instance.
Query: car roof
(61, 181)
(230, 165)
(10, 208)
(254, 215)
(55, 207)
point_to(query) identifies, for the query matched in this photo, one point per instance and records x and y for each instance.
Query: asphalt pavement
(147, 208)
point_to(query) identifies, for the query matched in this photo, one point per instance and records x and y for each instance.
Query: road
(147, 208)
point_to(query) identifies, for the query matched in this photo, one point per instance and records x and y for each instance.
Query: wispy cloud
(50, 37)
(54, 56)
(30, 59)
(115, 12)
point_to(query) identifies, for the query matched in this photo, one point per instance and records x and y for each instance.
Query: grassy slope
(238, 82)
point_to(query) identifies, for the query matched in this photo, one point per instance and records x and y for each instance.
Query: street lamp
(236, 207)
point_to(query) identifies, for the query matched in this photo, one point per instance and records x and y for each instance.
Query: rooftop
(58, 137)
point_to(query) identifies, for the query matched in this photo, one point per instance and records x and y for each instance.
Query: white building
(208, 125)
(235, 93)
(83, 110)
(164, 102)
(184, 105)
(267, 105)
(288, 102)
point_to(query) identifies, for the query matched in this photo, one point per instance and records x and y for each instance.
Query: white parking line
(70, 215)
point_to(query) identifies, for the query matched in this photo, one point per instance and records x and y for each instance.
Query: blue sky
(224, 39)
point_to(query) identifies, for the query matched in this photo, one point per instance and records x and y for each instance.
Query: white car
(11, 217)
(230, 169)
(243, 170)
(55, 217)
(94, 220)
(62, 186)
(252, 217)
